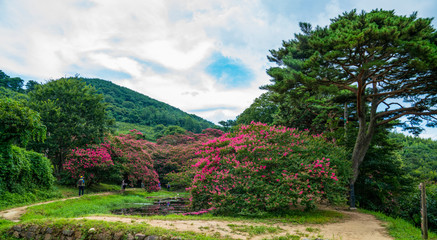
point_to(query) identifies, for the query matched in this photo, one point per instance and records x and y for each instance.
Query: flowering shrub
(119, 157)
(90, 162)
(130, 152)
(260, 168)
(175, 153)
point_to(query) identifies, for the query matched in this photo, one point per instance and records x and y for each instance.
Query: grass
(399, 228)
(11, 200)
(254, 230)
(91, 204)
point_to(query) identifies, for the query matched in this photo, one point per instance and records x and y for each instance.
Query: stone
(30, 235)
(130, 237)
(17, 228)
(77, 235)
(67, 232)
(33, 229)
(16, 234)
(118, 236)
(48, 236)
(49, 230)
(152, 237)
(140, 236)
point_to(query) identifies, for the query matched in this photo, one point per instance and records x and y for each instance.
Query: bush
(259, 169)
(174, 153)
(92, 162)
(22, 170)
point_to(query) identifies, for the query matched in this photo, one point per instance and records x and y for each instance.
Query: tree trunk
(362, 143)
(361, 146)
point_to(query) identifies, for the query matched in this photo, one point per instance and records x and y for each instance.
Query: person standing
(123, 185)
(81, 185)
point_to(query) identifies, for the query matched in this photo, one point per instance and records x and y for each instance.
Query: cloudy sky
(206, 57)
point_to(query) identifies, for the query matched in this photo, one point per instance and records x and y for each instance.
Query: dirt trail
(356, 226)
(14, 214)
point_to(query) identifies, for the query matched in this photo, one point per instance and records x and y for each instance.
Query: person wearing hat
(81, 185)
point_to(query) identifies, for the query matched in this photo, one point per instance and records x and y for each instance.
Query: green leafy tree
(379, 57)
(31, 85)
(15, 84)
(19, 124)
(74, 114)
(263, 109)
(21, 170)
(227, 125)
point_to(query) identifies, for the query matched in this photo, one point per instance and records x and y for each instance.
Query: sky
(206, 57)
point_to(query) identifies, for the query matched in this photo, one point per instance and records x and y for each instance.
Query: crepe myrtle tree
(386, 61)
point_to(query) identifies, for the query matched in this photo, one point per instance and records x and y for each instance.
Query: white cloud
(166, 45)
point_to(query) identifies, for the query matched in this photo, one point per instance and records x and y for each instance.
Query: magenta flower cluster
(262, 168)
(90, 162)
(127, 153)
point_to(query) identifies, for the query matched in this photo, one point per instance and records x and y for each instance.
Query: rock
(67, 232)
(48, 236)
(130, 237)
(33, 229)
(118, 236)
(140, 236)
(16, 234)
(92, 230)
(49, 230)
(77, 235)
(30, 235)
(17, 228)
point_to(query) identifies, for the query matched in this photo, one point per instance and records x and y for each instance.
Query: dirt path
(14, 214)
(356, 226)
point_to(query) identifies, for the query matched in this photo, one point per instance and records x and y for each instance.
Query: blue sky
(204, 57)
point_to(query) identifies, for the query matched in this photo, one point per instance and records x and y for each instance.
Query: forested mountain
(128, 106)
(124, 105)
(419, 156)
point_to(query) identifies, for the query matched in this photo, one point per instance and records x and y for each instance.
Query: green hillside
(128, 106)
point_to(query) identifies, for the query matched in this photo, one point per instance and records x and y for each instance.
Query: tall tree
(388, 62)
(19, 124)
(74, 114)
(263, 109)
(15, 84)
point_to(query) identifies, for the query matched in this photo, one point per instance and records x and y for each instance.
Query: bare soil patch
(355, 226)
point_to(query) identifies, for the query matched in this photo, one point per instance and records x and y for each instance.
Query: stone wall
(50, 233)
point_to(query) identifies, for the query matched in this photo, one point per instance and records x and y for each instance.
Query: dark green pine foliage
(388, 63)
(128, 106)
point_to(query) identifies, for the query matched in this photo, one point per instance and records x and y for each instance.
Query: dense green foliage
(74, 115)
(21, 170)
(19, 124)
(15, 84)
(419, 156)
(263, 109)
(128, 106)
